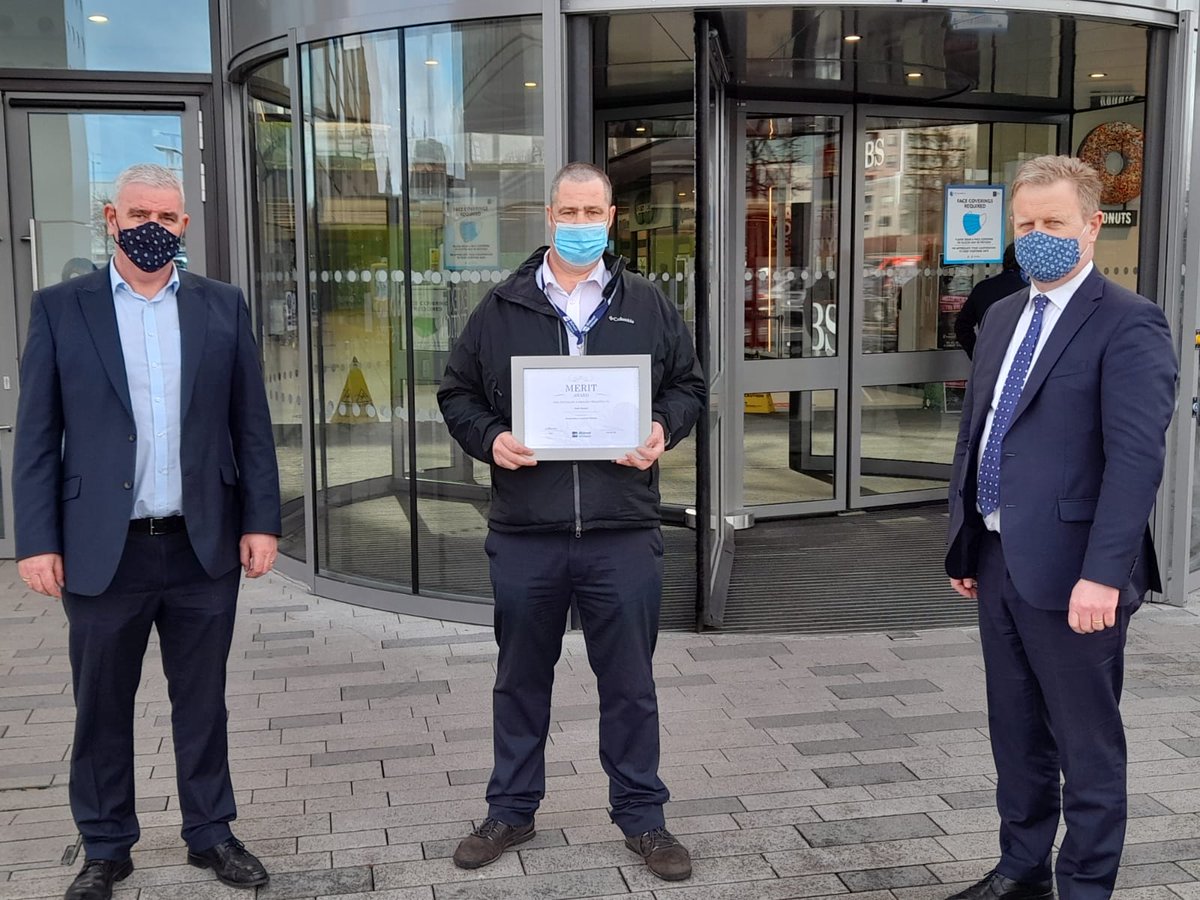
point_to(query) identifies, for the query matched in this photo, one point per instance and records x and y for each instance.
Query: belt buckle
(153, 526)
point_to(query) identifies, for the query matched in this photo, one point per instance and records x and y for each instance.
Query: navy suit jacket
(1083, 456)
(75, 449)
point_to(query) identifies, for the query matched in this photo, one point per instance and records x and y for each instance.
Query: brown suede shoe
(485, 844)
(664, 855)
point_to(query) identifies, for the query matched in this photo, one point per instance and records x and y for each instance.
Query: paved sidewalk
(799, 767)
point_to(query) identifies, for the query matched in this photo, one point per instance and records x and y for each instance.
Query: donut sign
(1114, 150)
(973, 229)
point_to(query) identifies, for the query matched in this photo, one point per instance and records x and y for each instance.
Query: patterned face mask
(149, 246)
(1046, 258)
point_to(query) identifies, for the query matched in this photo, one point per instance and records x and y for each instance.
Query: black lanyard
(581, 333)
(596, 316)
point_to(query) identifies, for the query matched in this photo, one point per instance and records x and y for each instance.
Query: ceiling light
(98, 19)
(913, 75)
(852, 38)
(683, 193)
(431, 62)
(531, 84)
(640, 129)
(1098, 75)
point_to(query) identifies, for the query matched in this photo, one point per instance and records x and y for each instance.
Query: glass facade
(422, 153)
(424, 188)
(106, 35)
(274, 289)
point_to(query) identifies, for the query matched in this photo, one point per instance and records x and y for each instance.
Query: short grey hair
(580, 173)
(151, 175)
(1042, 171)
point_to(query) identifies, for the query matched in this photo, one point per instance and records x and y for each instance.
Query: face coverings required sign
(974, 224)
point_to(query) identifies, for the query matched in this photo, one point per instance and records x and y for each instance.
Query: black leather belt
(162, 525)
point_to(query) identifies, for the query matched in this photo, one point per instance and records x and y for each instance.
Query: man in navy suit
(144, 473)
(1059, 457)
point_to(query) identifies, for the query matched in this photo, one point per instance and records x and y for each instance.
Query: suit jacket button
(128, 485)
(132, 438)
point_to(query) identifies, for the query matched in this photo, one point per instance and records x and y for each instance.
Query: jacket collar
(1003, 317)
(94, 294)
(522, 287)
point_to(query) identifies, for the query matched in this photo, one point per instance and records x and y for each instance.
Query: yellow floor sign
(355, 404)
(759, 403)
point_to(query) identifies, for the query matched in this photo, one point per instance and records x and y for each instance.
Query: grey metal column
(1180, 300)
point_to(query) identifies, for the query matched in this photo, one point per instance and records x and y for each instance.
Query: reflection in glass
(908, 435)
(910, 299)
(790, 272)
(476, 170)
(356, 264)
(76, 158)
(273, 293)
(651, 165)
(106, 35)
(789, 446)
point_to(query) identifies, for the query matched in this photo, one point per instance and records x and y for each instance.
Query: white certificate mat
(581, 407)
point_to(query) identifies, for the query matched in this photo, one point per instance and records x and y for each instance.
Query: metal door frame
(811, 374)
(715, 545)
(9, 355)
(18, 106)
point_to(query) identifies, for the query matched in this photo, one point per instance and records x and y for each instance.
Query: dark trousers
(1053, 705)
(159, 583)
(615, 578)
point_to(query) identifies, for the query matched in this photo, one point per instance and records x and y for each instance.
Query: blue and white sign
(974, 227)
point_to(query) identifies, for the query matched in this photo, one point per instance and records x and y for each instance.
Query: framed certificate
(581, 407)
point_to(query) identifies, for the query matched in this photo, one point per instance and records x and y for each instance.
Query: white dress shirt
(580, 303)
(1059, 298)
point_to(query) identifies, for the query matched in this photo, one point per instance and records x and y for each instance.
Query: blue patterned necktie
(989, 463)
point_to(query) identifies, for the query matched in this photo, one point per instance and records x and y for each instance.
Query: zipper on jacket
(578, 512)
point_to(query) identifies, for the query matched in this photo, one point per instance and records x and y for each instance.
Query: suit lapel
(1079, 310)
(95, 300)
(1001, 322)
(193, 329)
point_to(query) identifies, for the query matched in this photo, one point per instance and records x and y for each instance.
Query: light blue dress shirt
(149, 330)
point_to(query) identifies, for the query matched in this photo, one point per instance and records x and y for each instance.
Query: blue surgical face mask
(580, 245)
(1046, 258)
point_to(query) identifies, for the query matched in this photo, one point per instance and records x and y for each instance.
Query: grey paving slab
(881, 773)
(800, 767)
(869, 830)
(860, 690)
(886, 879)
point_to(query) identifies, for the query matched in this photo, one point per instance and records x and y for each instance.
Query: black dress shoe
(95, 880)
(232, 863)
(995, 886)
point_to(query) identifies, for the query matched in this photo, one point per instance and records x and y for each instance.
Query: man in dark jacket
(1004, 283)
(587, 530)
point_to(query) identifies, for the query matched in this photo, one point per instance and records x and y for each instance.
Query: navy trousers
(1053, 705)
(159, 583)
(615, 578)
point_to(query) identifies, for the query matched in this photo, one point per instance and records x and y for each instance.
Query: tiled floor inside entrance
(799, 766)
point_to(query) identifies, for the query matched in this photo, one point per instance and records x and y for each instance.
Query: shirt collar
(1064, 292)
(546, 274)
(117, 281)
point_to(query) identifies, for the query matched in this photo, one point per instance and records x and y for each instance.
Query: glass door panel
(650, 161)
(909, 371)
(793, 368)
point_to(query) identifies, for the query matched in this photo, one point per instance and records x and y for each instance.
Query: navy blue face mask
(149, 246)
